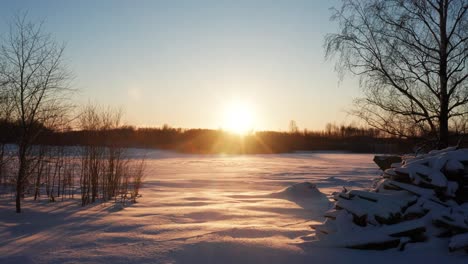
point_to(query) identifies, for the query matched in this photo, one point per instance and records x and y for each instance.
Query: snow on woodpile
(419, 199)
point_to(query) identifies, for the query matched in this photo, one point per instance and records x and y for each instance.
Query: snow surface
(205, 209)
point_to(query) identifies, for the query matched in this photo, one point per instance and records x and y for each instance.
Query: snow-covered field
(204, 209)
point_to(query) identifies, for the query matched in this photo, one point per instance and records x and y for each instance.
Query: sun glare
(239, 118)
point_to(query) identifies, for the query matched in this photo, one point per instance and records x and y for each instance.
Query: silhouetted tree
(412, 60)
(92, 156)
(5, 122)
(106, 171)
(293, 128)
(35, 82)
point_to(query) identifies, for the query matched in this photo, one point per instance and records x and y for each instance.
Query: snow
(400, 200)
(355, 238)
(454, 166)
(428, 169)
(411, 188)
(302, 190)
(362, 207)
(399, 228)
(459, 241)
(452, 188)
(343, 233)
(207, 209)
(453, 218)
(420, 173)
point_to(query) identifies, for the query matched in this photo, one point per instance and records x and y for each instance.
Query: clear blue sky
(181, 62)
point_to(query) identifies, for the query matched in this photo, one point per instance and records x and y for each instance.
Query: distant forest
(208, 141)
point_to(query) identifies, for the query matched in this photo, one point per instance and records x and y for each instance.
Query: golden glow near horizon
(239, 118)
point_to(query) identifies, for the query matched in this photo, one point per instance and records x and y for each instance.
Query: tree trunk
(443, 127)
(444, 97)
(21, 175)
(18, 195)
(38, 179)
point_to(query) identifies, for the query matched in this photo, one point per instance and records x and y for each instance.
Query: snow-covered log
(459, 242)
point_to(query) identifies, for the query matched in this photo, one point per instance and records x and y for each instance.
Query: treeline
(334, 137)
(207, 141)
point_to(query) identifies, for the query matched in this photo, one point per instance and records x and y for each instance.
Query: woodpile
(418, 199)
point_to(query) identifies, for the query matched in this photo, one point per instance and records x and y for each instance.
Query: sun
(239, 118)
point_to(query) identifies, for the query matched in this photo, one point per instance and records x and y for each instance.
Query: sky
(186, 63)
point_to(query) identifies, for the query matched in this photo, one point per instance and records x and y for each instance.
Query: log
(408, 228)
(384, 199)
(363, 209)
(459, 242)
(385, 161)
(411, 188)
(455, 222)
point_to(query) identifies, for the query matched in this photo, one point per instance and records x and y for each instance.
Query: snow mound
(302, 190)
(304, 194)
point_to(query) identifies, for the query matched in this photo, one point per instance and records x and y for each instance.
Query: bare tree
(36, 81)
(92, 164)
(293, 128)
(106, 170)
(137, 176)
(5, 123)
(411, 56)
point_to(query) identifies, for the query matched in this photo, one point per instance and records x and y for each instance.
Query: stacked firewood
(419, 199)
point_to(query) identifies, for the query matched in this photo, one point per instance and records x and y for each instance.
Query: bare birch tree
(36, 82)
(411, 56)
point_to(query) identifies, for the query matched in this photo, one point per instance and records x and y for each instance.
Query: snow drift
(302, 190)
(305, 194)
